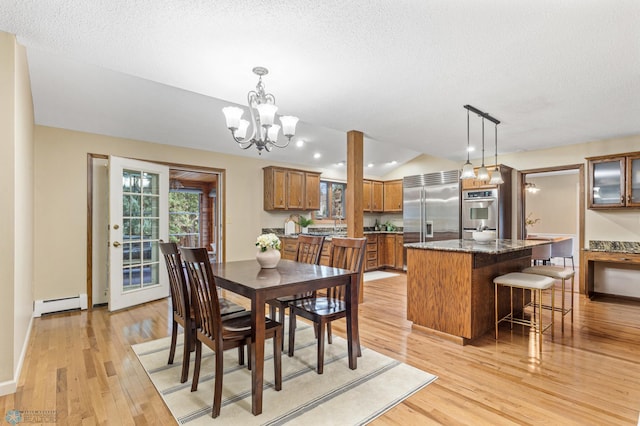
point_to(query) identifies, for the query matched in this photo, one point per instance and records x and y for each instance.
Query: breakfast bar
(450, 289)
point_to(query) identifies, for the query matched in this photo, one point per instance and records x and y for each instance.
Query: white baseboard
(56, 305)
(10, 386)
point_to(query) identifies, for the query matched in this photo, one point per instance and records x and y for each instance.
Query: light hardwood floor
(80, 364)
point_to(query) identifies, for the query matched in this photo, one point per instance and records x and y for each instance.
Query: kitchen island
(450, 289)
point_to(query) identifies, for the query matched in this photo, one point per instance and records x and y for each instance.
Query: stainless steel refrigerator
(431, 210)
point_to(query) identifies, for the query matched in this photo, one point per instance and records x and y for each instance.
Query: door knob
(116, 244)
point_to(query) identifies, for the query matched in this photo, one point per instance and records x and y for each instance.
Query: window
(184, 217)
(332, 200)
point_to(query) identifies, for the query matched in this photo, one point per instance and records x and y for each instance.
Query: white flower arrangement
(267, 241)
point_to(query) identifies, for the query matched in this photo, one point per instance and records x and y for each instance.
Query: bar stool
(557, 273)
(534, 283)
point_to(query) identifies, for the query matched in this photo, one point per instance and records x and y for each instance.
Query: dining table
(248, 279)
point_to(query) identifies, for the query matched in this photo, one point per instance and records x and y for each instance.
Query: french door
(138, 221)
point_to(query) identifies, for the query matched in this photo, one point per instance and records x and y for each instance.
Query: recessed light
(300, 143)
(340, 163)
(394, 162)
(370, 165)
(471, 149)
(317, 155)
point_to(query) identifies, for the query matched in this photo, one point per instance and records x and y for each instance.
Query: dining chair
(221, 333)
(563, 249)
(346, 253)
(183, 313)
(308, 250)
(541, 253)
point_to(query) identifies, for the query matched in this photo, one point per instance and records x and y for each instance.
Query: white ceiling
(554, 72)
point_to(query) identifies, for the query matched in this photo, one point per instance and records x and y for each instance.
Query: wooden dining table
(247, 279)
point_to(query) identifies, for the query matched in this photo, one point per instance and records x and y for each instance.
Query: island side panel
(486, 268)
(439, 290)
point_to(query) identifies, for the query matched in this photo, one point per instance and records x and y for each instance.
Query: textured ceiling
(554, 72)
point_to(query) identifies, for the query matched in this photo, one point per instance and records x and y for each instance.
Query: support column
(355, 222)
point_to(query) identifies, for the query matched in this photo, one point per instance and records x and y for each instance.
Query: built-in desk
(589, 259)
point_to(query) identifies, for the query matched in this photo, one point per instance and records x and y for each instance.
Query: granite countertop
(471, 246)
(632, 247)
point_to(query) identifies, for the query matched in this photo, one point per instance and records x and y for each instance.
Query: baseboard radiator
(41, 307)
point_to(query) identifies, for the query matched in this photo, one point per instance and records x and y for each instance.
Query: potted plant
(304, 223)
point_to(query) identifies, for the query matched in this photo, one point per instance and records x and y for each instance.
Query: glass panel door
(633, 180)
(607, 182)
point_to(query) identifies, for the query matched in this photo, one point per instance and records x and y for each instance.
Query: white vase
(268, 258)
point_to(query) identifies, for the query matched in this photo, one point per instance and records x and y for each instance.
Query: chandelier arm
(251, 101)
(270, 142)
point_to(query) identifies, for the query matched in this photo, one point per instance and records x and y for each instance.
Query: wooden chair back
(177, 281)
(203, 292)
(346, 253)
(309, 248)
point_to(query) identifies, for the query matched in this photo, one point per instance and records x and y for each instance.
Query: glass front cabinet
(614, 181)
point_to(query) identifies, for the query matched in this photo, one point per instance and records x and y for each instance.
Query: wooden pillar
(355, 167)
(355, 148)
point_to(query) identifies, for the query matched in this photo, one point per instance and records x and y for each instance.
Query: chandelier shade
(496, 176)
(262, 108)
(467, 168)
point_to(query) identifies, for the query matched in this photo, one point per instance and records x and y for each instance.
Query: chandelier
(483, 174)
(264, 133)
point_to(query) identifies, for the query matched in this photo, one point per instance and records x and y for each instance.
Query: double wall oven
(480, 211)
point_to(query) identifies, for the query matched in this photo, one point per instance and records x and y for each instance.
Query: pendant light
(483, 173)
(496, 176)
(467, 169)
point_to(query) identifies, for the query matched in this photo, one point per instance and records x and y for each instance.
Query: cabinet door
(366, 195)
(295, 180)
(377, 196)
(275, 184)
(633, 181)
(399, 252)
(312, 191)
(390, 250)
(606, 183)
(393, 196)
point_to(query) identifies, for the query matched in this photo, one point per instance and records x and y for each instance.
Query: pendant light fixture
(496, 176)
(483, 173)
(467, 169)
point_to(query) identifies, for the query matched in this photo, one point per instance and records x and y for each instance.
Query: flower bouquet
(267, 241)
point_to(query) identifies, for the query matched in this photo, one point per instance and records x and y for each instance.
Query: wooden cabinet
(372, 195)
(614, 181)
(312, 191)
(289, 189)
(399, 246)
(288, 248)
(392, 196)
(371, 256)
(389, 250)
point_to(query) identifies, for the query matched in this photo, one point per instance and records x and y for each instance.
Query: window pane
(184, 218)
(151, 182)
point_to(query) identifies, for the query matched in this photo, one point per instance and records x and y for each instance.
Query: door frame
(221, 197)
(521, 175)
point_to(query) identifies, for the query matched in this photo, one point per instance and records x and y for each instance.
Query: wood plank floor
(80, 364)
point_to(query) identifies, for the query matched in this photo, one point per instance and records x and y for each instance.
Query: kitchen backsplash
(323, 230)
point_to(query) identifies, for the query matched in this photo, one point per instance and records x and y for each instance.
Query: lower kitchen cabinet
(371, 256)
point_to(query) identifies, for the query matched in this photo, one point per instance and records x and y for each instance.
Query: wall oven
(479, 211)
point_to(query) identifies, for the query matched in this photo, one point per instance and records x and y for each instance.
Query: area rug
(378, 275)
(340, 396)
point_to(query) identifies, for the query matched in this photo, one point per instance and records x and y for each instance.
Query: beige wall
(556, 204)
(61, 173)
(16, 215)
(599, 225)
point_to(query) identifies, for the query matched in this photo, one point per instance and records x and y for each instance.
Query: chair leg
(329, 339)
(272, 312)
(196, 367)
(241, 355)
(292, 331)
(188, 336)
(174, 337)
(249, 349)
(321, 327)
(277, 356)
(217, 388)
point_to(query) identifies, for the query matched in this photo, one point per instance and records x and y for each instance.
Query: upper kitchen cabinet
(614, 181)
(372, 196)
(393, 196)
(289, 189)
